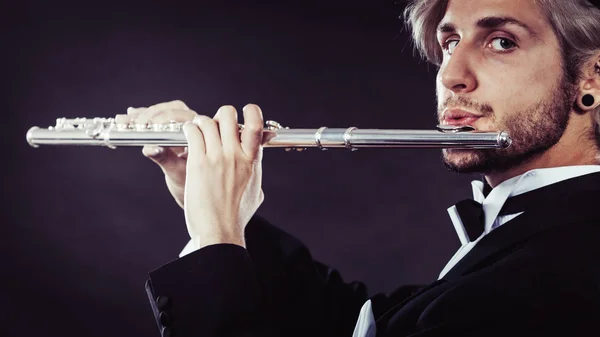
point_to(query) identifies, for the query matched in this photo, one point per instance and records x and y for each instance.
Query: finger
(184, 153)
(253, 129)
(169, 115)
(133, 113)
(212, 138)
(172, 105)
(144, 115)
(126, 118)
(158, 154)
(122, 119)
(164, 116)
(131, 110)
(161, 156)
(229, 130)
(153, 152)
(196, 144)
(168, 161)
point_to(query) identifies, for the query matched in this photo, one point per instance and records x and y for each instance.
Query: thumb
(168, 161)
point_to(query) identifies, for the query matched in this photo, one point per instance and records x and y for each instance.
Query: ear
(588, 98)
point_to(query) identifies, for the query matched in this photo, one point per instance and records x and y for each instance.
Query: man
(531, 238)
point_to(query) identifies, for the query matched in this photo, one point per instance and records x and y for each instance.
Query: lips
(457, 117)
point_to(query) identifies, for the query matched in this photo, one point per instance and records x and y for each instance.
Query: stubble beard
(533, 130)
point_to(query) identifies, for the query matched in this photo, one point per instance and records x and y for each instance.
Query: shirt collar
(531, 180)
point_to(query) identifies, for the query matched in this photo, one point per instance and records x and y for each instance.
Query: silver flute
(106, 132)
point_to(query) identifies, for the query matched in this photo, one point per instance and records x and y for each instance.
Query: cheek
(513, 91)
(526, 84)
(440, 91)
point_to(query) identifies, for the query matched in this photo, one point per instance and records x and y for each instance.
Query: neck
(574, 148)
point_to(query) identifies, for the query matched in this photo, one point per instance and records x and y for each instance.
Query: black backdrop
(85, 225)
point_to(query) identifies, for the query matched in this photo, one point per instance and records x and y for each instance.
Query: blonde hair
(576, 23)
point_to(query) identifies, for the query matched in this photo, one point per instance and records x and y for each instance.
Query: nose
(456, 73)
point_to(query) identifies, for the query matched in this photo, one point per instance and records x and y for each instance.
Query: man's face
(502, 71)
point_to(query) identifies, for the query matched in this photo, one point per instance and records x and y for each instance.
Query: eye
(450, 45)
(502, 44)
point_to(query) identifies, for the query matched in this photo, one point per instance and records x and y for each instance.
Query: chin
(464, 161)
(487, 161)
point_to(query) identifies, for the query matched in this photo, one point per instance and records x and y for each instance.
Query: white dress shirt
(492, 204)
(531, 180)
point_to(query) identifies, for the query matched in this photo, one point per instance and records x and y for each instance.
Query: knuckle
(227, 114)
(189, 127)
(216, 160)
(226, 109)
(122, 119)
(202, 118)
(254, 128)
(204, 121)
(178, 104)
(157, 115)
(133, 110)
(232, 114)
(253, 109)
(230, 110)
(154, 107)
(176, 115)
(188, 114)
(136, 114)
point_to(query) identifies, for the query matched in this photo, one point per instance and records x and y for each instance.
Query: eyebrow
(490, 22)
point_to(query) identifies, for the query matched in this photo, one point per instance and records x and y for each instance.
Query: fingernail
(157, 150)
(154, 151)
(184, 153)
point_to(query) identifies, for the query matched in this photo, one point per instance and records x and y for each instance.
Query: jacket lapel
(569, 201)
(383, 318)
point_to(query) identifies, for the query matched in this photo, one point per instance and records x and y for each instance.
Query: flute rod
(112, 136)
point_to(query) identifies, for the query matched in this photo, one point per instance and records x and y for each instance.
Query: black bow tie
(472, 215)
(554, 195)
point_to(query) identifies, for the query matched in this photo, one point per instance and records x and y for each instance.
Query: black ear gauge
(588, 100)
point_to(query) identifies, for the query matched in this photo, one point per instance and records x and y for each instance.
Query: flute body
(104, 132)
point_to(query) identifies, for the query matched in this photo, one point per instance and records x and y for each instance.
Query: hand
(171, 160)
(224, 175)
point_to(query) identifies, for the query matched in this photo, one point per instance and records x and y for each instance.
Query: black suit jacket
(537, 275)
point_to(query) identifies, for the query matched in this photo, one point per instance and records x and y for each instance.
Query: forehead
(465, 13)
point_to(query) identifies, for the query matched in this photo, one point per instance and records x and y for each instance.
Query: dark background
(85, 225)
